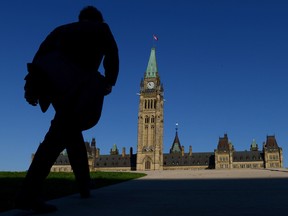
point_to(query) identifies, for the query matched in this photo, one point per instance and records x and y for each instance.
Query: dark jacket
(67, 56)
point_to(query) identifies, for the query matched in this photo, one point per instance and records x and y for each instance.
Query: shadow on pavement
(203, 197)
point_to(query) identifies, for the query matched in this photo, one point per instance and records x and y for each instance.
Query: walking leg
(77, 154)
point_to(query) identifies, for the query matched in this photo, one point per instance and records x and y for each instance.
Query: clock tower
(150, 119)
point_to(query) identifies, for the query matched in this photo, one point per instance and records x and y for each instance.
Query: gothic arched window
(146, 119)
(152, 119)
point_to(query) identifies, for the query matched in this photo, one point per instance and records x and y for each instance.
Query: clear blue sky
(223, 65)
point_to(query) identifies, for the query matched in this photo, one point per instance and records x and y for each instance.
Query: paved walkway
(198, 192)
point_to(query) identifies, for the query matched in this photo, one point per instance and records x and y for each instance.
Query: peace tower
(150, 119)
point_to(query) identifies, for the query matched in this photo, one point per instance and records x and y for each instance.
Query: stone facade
(224, 157)
(150, 119)
(271, 155)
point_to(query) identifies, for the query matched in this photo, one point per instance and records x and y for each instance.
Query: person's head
(90, 13)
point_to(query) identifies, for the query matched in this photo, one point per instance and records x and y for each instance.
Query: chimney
(190, 150)
(97, 153)
(123, 152)
(182, 151)
(131, 151)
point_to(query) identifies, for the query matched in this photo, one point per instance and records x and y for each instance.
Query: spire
(176, 147)
(152, 69)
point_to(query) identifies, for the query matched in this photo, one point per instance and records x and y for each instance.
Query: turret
(93, 147)
(273, 156)
(114, 150)
(190, 150)
(254, 146)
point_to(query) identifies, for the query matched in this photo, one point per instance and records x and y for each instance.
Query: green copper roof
(176, 147)
(152, 69)
(114, 147)
(254, 144)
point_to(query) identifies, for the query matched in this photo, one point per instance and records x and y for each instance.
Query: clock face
(150, 85)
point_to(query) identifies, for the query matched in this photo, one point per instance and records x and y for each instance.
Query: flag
(155, 37)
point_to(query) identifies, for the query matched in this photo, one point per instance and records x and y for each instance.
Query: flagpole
(154, 38)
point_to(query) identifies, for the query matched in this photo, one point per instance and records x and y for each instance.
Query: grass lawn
(57, 184)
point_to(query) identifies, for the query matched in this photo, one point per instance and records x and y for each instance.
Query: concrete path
(191, 192)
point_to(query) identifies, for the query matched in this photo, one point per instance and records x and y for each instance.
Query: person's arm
(111, 58)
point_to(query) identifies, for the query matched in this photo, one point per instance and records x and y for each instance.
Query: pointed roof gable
(176, 146)
(223, 144)
(152, 69)
(271, 142)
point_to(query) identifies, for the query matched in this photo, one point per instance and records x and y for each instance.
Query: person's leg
(77, 154)
(86, 114)
(30, 196)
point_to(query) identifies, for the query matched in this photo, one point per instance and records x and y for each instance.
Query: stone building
(270, 157)
(149, 154)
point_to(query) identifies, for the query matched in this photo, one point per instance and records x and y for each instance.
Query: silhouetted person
(64, 73)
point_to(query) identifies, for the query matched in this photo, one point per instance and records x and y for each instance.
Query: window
(146, 119)
(152, 119)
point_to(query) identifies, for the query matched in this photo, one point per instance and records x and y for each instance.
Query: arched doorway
(147, 165)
